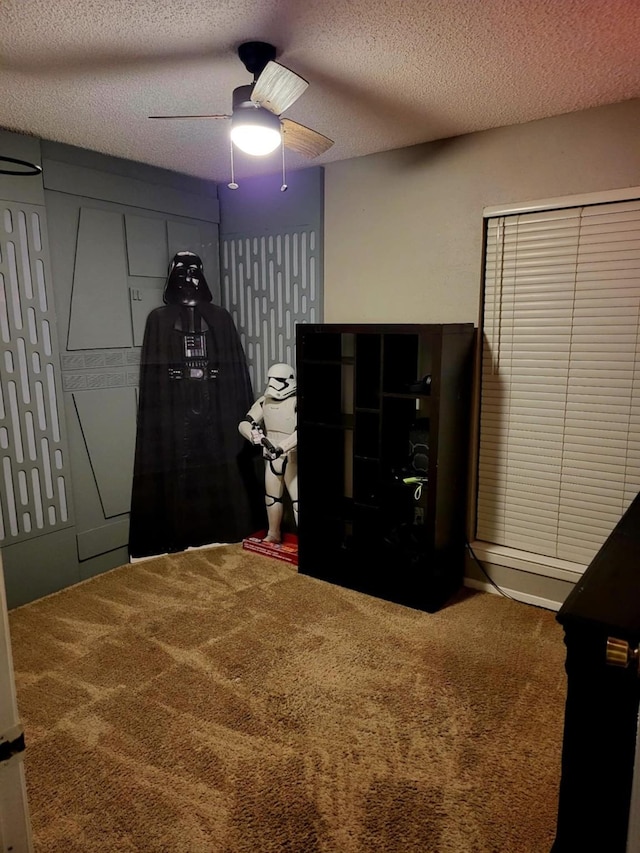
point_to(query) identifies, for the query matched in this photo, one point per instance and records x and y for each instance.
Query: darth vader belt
(192, 371)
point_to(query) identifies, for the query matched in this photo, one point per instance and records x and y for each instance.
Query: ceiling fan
(257, 126)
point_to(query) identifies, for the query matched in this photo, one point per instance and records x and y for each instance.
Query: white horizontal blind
(559, 456)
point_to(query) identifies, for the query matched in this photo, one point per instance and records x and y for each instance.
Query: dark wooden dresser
(601, 621)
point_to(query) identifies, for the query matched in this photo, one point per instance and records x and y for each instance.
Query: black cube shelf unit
(378, 404)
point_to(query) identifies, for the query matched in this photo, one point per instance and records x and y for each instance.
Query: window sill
(527, 561)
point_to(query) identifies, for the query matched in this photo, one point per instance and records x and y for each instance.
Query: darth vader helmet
(281, 382)
(186, 284)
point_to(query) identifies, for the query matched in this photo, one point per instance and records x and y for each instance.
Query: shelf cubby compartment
(323, 346)
(366, 440)
(400, 362)
(327, 406)
(366, 481)
(401, 422)
(367, 366)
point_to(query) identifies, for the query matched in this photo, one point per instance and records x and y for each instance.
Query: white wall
(403, 229)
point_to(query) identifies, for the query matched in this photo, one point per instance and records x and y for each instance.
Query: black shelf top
(608, 594)
(385, 328)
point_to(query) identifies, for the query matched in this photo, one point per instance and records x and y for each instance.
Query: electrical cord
(486, 574)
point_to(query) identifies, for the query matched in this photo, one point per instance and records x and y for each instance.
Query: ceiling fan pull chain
(232, 184)
(284, 187)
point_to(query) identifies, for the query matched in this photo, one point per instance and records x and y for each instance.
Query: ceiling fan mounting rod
(255, 55)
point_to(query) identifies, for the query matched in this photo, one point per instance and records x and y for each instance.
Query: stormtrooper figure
(271, 422)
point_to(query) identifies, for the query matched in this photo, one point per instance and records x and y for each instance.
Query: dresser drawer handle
(620, 653)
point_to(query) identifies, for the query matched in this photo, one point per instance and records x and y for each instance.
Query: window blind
(559, 447)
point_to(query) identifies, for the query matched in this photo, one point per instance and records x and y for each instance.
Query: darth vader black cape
(194, 479)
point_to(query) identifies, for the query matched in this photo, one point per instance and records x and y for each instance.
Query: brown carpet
(218, 702)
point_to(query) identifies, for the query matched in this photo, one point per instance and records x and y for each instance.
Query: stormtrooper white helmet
(281, 382)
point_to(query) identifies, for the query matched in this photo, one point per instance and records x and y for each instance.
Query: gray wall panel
(146, 245)
(108, 422)
(89, 512)
(66, 177)
(101, 540)
(182, 237)
(40, 566)
(145, 295)
(259, 207)
(100, 299)
(103, 562)
(154, 175)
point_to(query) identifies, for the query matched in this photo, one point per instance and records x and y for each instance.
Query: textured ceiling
(383, 74)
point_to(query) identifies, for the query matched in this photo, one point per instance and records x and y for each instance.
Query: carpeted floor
(218, 702)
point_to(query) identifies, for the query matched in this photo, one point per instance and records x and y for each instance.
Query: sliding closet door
(109, 262)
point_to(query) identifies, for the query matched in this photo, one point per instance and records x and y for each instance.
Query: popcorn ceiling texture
(383, 75)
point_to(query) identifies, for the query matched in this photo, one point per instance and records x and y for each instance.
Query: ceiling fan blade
(303, 140)
(277, 88)
(212, 116)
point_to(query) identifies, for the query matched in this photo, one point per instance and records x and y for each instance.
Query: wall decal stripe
(30, 434)
(269, 283)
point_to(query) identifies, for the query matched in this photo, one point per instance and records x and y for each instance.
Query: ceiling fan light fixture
(254, 130)
(255, 139)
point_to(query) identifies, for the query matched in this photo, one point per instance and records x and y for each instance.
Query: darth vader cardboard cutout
(194, 482)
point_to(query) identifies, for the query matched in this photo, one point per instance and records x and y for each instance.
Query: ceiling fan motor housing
(255, 55)
(241, 98)
(245, 110)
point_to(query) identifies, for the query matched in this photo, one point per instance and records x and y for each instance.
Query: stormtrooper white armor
(272, 423)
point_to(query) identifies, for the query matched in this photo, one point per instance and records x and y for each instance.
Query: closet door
(110, 264)
(84, 251)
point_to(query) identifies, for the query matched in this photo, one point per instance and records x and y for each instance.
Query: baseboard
(524, 597)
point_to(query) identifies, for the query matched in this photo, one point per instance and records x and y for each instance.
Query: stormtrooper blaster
(273, 451)
(258, 437)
